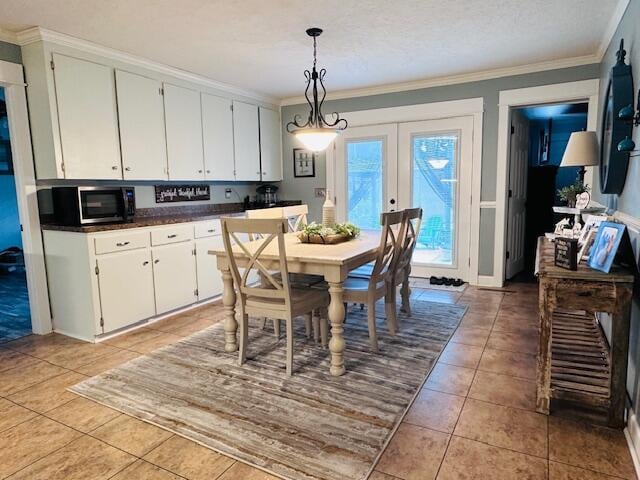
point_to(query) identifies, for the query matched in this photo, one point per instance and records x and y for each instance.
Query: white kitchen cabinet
(87, 118)
(209, 278)
(183, 121)
(174, 274)
(246, 141)
(125, 282)
(142, 135)
(270, 151)
(217, 135)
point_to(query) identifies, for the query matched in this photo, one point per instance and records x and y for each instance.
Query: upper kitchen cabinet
(217, 135)
(270, 146)
(87, 118)
(183, 120)
(246, 141)
(142, 135)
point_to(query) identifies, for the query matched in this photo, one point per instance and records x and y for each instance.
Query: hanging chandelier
(316, 133)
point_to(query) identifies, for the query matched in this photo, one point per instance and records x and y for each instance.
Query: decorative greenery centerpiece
(317, 233)
(570, 192)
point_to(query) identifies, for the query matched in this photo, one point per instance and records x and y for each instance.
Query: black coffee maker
(267, 195)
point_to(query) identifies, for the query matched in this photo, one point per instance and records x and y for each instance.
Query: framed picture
(606, 245)
(591, 224)
(304, 163)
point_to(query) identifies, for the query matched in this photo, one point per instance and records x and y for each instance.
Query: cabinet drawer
(121, 241)
(173, 234)
(208, 229)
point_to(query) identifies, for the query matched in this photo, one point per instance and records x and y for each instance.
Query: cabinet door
(246, 142)
(209, 278)
(217, 135)
(125, 283)
(270, 151)
(142, 136)
(88, 120)
(174, 275)
(183, 122)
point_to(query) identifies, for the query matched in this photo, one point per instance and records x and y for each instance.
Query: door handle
(122, 244)
(173, 235)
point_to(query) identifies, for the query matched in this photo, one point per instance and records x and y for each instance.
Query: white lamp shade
(316, 139)
(581, 151)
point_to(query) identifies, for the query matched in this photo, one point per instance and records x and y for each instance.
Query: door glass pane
(435, 186)
(365, 189)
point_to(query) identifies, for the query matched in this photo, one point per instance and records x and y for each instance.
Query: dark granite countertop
(170, 215)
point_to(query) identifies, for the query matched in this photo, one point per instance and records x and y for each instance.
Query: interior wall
(303, 188)
(629, 201)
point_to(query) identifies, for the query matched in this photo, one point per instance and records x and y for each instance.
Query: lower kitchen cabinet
(125, 283)
(174, 275)
(209, 278)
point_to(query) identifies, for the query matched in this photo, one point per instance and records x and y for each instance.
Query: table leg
(229, 302)
(620, 322)
(336, 316)
(543, 397)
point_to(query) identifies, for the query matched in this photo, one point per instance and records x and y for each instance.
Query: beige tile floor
(474, 419)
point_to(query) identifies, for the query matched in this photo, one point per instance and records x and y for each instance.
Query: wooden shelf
(580, 363)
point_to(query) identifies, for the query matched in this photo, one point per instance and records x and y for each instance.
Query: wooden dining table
(332, 261)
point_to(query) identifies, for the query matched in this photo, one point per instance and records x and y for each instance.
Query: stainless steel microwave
(90, 205)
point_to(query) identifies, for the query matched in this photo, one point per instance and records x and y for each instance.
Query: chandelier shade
(316, 133)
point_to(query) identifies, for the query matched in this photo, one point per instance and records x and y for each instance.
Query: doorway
(539, 136)
(425, 164)
(15, 316)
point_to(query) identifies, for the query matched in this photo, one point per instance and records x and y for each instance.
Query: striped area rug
(308, 426)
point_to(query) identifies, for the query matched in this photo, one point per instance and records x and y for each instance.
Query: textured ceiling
(261, 44)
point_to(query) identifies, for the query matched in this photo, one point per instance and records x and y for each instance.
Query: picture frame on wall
(304, 163)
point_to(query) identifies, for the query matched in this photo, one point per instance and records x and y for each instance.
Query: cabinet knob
(173, 235)
(114, 167)
(122, 244)
(199, 171)
(264, 173)
(156, 260)
(128, 169)
(145, 263)
(257, 173)
(208, 171)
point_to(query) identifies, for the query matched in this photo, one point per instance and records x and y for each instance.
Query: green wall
(302, 188)
(10, 52)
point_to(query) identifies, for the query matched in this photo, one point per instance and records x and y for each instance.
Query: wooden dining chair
(381, 282)
(412, 223)
(296, 215)
(276, 298)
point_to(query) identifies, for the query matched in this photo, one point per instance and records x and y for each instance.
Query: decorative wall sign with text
(182, 193)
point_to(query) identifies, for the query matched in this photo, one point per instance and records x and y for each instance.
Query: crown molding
(37, 34)
(612, 26)
(453, 79)
(8, 36)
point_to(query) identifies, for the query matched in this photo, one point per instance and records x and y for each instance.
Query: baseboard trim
(489, 281)
(632, 434)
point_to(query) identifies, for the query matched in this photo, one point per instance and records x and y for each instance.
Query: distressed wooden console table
(575, 362)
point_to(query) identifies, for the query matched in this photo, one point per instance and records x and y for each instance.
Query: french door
(366, 174)
(425, 164)
(434, 167)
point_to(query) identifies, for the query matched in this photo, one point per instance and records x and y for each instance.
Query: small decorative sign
(182, 193)
(566, 253)
(582, 200)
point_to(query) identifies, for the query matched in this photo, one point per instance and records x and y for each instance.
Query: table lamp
(581, 151)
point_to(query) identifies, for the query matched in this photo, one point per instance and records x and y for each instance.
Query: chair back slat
(391, 239)
(269, 231)
(413, 222)
(296, 215)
